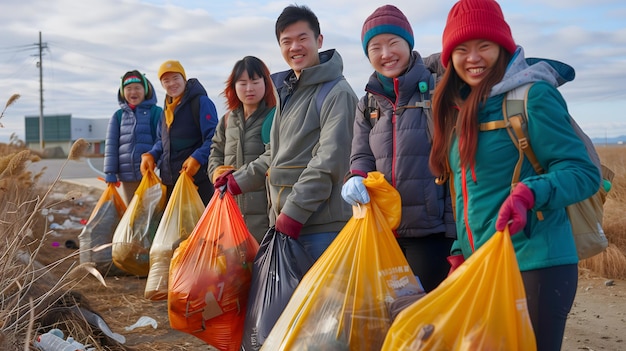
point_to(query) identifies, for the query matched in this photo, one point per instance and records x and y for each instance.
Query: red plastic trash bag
(99, 230)
(134, 234)
(180, 217)
(343, 301)
(480, 306)
(210, 276)
(278, 268)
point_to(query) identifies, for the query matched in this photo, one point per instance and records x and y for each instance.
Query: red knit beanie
(475, 19)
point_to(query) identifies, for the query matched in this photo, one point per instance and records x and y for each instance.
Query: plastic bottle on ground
(52, 341)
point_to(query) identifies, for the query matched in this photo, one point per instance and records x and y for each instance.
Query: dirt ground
(596, 322)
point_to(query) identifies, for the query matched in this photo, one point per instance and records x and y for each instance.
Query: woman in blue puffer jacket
(131, 132)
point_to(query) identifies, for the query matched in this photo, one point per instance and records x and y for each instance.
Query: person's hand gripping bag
(99, 230)
(342, 303)
(134, 234)
(210, 275)
(180, 217)
(480, 306)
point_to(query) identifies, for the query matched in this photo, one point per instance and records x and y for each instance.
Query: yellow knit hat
(172, 66)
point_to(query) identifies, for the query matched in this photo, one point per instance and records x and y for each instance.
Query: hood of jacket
(330, 67)
(522, 70)
(415, 73)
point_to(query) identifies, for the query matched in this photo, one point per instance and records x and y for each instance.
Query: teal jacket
(570, 175)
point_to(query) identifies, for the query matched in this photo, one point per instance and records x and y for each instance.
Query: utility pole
(40, 65)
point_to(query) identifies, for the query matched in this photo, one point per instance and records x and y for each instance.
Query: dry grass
(612, 263)
(33, 298)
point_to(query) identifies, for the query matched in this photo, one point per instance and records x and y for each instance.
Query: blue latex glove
(110, 178)
(354, 191)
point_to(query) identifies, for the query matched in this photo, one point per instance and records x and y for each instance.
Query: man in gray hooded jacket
(309, 151)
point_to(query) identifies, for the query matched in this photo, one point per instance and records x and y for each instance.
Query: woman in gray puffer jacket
(131, 132)
(241, 135)
(391, 136)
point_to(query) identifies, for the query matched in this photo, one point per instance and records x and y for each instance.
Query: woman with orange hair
(242, 134)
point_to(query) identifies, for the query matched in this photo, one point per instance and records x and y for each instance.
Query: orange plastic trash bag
(210, 276)
(343, 301)
(134, 234)
(180, 217)
(480, 306)
(99, 229)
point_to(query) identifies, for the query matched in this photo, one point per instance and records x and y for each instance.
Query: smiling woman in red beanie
(398, 144)
(483, 64)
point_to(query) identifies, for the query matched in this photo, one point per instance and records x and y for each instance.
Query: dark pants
(427, 257)
(316, 244)
(550, 293)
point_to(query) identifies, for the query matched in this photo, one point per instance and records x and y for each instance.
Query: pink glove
(514, 209)
(455, 261)
(227, 179)
(288, 226)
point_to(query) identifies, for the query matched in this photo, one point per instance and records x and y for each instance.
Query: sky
(90, 44)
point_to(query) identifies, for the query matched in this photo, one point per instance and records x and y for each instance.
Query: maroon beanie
(387, 19)
(475, 19)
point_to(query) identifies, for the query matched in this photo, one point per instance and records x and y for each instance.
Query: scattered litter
(70, 224)
(142, 322)
(71, 244)
(54, 340)
(75, 219)
(95, 320)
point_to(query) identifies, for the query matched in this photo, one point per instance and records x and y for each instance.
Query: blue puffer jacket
(128, 138)
(187, 136)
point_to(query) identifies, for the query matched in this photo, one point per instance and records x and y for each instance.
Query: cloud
(90, 44)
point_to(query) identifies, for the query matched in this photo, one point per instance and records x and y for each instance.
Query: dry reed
(612, 262)
(10, 102)
(29, 290)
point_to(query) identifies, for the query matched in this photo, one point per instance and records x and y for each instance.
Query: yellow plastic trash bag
(480, 306)
(182, 212)
(99, 230)
(134, 234)
(342, 303)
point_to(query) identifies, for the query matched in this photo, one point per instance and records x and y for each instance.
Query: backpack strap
(372, 110)
(155, 117)
(195, 111)
(323, 92)
(515, 121)
(266, 127)
(516, 114)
